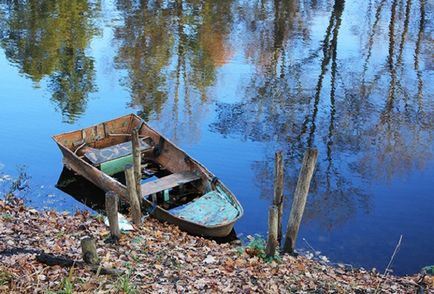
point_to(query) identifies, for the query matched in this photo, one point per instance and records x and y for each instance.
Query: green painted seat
(113, 159)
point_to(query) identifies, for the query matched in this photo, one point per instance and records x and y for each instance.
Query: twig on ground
(310, 246)
(386, 271)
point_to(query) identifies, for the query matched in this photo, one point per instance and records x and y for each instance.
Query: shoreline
(160, 258)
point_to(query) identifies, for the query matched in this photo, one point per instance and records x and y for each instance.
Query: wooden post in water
(272, 243)
(299, 201)
(88, 250)
(111, 208)
(135, 211)
(278, 192)
(137, 162)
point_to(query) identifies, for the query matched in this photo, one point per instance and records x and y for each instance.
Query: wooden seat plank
(168, 182)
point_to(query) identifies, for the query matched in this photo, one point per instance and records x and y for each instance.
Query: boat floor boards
(210, 209)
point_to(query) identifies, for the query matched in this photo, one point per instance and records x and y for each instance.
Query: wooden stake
(88, 250)
(137, 162)
(135, 211)
(272, 243)
(111, 208)
(278, 192)
(299, 201)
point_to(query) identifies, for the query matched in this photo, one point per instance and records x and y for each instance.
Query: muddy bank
(161, 258)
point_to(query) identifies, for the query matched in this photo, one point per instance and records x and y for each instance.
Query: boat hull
(171, 156)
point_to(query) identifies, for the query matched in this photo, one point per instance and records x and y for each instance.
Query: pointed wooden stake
(278, 192)
(299, 201)
(137, 162)
(88, 250)
(135, 211)
(111, 207)
(272, 243)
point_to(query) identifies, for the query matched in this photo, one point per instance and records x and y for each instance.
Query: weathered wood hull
(169, 156)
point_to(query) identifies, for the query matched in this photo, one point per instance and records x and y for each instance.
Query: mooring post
(111, 207)
(137, 162)
(135, 211)
(299, 201)
(88, 250)
(272, 243)
(278, 192)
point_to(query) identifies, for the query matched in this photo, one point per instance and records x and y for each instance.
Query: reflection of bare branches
(336, 204)
(179, 65)
(416, 56)
(391, 66)
(280, 101)
(329, 50)
(404, 32)
(332, 109)
(400, 134)
(371, 41)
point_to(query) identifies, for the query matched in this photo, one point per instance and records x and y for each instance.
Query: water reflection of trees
(172, 47)
(370, 123)
(403, 131)
(49, 39)
(370, 113)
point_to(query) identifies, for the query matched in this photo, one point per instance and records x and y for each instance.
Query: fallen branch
(19, 250)
(51, 260)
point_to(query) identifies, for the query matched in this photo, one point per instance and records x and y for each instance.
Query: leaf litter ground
(159, 258)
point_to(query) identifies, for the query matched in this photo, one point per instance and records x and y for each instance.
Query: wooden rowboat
(175, 188)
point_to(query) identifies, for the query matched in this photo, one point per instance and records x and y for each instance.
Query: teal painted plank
(210, 209)
(116, 165)
(166, 195)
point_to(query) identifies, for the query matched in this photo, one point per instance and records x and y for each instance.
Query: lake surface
(232, 82)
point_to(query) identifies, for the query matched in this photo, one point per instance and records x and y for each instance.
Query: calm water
(232, 82)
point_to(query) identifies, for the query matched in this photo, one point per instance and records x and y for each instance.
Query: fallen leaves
(162, 259)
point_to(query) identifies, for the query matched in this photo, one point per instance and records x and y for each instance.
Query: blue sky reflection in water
(232, 82)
